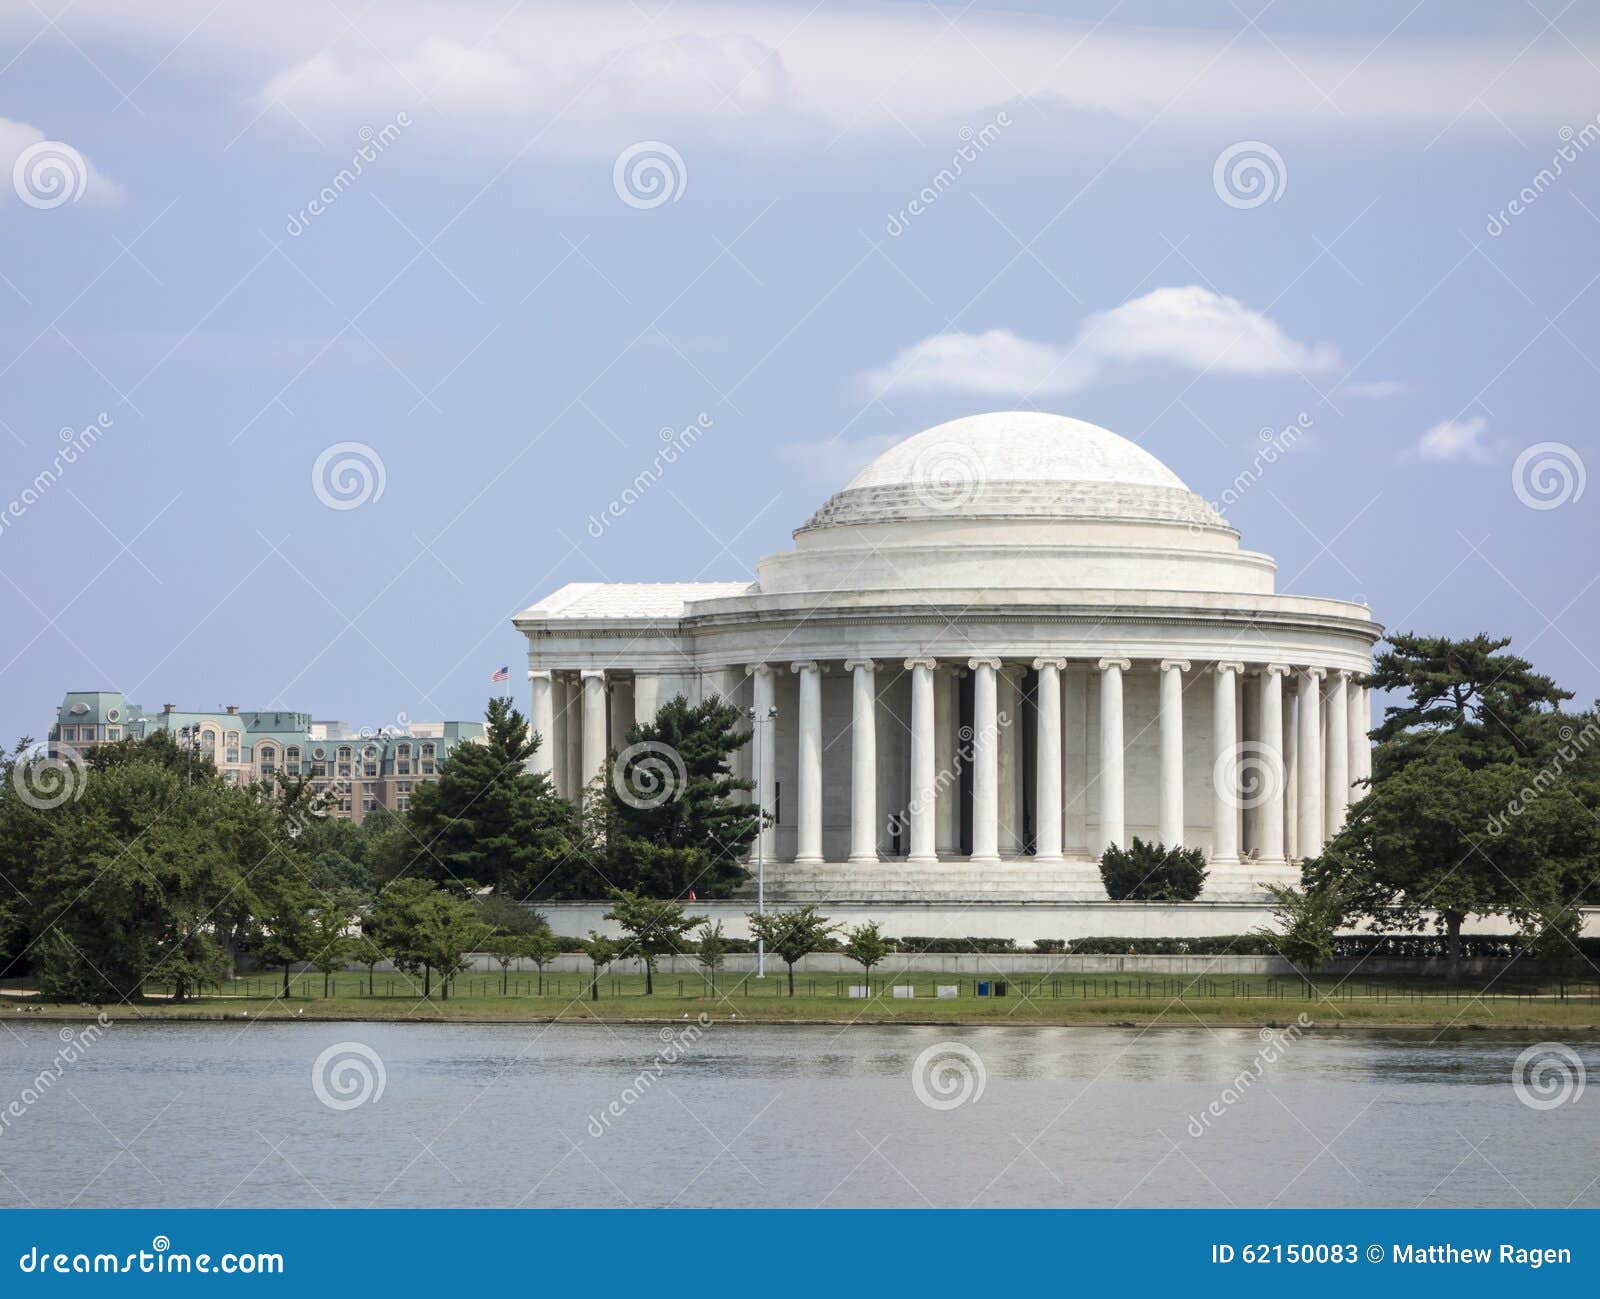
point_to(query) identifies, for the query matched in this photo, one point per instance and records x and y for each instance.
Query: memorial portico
(1011, 641)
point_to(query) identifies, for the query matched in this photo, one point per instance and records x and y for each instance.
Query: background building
(363, 769)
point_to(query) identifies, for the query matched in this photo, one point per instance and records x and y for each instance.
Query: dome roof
(1015, 465)
(1017, 446)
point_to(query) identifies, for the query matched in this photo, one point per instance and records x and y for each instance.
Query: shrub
(1049, 944)
(1152, 872)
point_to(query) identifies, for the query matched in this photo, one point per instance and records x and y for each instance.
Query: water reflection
(742, 1115)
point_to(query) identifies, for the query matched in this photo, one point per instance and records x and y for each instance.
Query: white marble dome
(1016, 465)
(1021, 446)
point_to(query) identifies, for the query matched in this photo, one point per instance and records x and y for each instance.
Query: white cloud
(1189, 327)
(1375, 388)
(567, 75)
(1456, 440)
(51, 176)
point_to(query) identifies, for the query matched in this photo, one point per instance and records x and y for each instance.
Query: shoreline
(127, 1016)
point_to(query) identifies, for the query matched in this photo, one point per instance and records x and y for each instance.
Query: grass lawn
(1250, 1000)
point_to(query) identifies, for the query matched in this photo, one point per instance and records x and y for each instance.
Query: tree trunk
(324, 985)
(791, 980)
(369, 978)
(1452, 931)
(286, 980)
(427, 980)
(649, 979)
(594, 985)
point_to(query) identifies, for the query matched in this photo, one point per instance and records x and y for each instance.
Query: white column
(863, 761)
(1047, 762)
(924, 789)
(594, 727)
(1225, 792)
(1291, 775)
(808, 825)
(947, 833)
(1273, 729)
(1357, 727)
(1008, 753)
(985, 759)
(1112, 831)
(764, 727)
(1308, 795)
(1338, 751)
(574, 754)
(646, 697)
(1171, 819)
(542, 719)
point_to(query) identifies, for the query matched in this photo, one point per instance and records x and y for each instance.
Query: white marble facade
(1011, 640)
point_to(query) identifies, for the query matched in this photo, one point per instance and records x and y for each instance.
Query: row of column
(1294, 779)
(1316, 781)
(570, 718)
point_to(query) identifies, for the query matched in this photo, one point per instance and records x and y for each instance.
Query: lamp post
(756, 723)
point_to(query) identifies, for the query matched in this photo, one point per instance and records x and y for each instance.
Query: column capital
(850, 665)
(1059, 664)
(1338, 674)
(537, 674)
(930, 664)
(756, 669)
(1278, 669)
(805, 665)
(592, 674)
(1230, 665)
(1180, 665)
(977, 663)
(1313, 674)
(1121, 664)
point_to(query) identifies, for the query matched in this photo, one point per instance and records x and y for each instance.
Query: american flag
(500, 674)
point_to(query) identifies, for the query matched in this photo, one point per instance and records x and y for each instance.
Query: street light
(756, 723)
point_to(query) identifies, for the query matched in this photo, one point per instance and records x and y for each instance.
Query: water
(209, 1114)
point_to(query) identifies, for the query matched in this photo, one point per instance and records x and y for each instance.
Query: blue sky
(509, 326)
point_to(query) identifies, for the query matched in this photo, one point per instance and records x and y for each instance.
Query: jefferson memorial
(1011, 640)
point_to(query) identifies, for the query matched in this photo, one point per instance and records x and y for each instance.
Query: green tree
(601, 953)
(1481, 803)
(654, 929)
(866, 946)
(488, 818)
(285, 933)
(1466, 697)
(675, 821)
(1309, 921)
(711, 951)
(425, 930)
(331, 941)
(1152, 872)
(1418, 843)
(791, 934)
(542, 949)
(133, 872)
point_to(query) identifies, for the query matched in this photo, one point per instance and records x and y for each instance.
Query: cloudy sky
(503, 247)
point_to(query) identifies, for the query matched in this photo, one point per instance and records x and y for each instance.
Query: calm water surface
(204, 1115)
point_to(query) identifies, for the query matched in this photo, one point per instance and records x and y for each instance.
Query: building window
(369, 761)
(291, 760)
(69, 732)
(269, 759)
(113, 732)
(402, 760)
(208, 743)
(427, 759)
(344, 761)
(233, 746)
